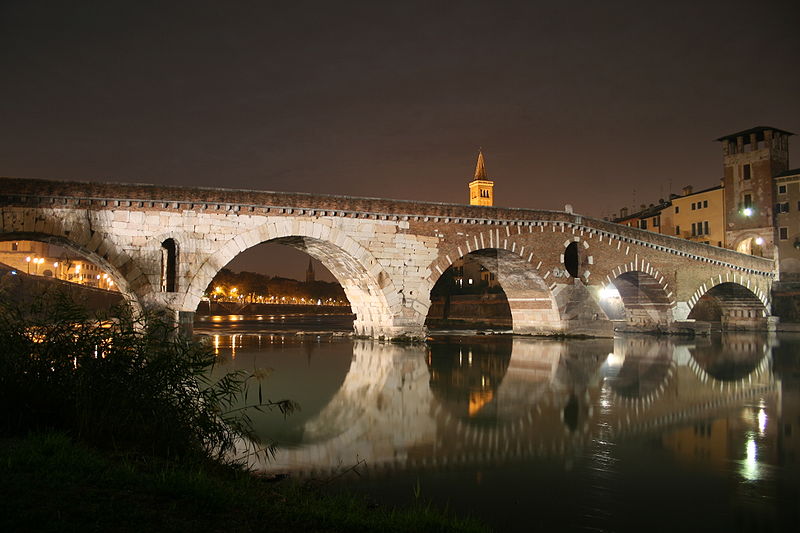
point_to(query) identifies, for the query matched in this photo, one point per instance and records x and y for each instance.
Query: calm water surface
(630, 434)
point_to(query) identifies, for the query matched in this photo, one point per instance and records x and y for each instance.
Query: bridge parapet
(29, 192)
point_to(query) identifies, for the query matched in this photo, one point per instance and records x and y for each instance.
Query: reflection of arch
(465, 376)
(640, 368)
(385, 410)
(645, 295)
(368, 288)
(533, 308)
(115, 262)
(383, 404)
(733, 358)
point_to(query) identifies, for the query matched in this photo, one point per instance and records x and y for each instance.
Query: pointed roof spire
(480, 168)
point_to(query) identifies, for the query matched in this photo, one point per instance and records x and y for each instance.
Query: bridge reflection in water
(488, 403)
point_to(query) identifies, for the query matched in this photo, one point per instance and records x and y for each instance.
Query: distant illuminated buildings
(755, 209)
(41, 259)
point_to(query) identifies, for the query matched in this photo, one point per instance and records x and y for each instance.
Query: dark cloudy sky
(572, 102)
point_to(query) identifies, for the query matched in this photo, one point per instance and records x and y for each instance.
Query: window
(677, 230)
(746, 172)
(783, 233)
(782, 207)
(694, 229)
(705, 203)
(169, 263)
(14, 246)
(748, 200)
(656, 222)
(677, 209)
(705, 227)
(693, 206)
(781, 189)
(642, 224)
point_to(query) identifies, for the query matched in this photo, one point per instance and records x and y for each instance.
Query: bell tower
(481, 188)
(750, 159)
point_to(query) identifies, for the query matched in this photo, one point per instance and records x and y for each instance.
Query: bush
(120, 381)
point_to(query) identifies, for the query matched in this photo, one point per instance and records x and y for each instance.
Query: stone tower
(750, 159)
(481, 188)
(310, 272)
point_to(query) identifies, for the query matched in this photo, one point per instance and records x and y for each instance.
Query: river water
(636, 433)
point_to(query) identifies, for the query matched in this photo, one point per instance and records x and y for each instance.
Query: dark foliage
(120, 381)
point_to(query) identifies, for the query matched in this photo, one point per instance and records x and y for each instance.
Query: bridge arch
(371, 292)
(127, 277)
(645, 296)
(750, 243)
(733, 304)
(534, 308)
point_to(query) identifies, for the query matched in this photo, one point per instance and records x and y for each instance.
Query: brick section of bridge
(386, 253)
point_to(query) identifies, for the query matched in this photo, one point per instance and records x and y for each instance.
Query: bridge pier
(389, 330)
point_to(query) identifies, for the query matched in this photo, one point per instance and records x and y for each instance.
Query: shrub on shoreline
(120, 381)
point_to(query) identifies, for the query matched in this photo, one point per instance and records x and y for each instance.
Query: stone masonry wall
(387, 254)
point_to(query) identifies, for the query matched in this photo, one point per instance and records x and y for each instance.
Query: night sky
(598, 104)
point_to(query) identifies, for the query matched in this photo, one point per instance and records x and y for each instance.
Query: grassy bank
(52, 483)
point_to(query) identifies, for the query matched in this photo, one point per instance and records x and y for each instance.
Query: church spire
(480, 167)
(481, 188)
(310, 272)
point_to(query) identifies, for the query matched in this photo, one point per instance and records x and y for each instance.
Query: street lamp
(28, 260)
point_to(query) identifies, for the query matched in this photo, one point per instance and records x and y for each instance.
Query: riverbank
(234, 308)
(52, 483)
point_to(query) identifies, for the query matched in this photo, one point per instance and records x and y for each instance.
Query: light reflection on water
(595, 434)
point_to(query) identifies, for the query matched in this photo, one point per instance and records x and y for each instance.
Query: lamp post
(28, 260)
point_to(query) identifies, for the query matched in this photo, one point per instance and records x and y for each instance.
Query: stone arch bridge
(163, 245)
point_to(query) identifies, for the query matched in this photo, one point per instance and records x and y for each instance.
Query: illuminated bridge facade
(163, 246)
